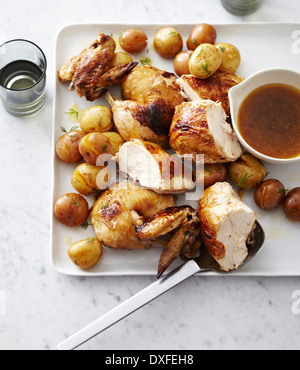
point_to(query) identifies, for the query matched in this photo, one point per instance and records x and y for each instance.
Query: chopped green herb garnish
(205, 67)
(73, 112)
(104, 148)
(90, 240)
(283, 191)
(244, 179)
(105, 205)
(75, 202)
(194, 42)
(173, 34)
(145, 61)
(85, 225)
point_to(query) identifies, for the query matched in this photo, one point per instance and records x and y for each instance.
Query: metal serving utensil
(204, 263)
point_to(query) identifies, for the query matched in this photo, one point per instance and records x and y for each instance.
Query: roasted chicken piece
(130, 217)
(213, 88)
(149, 122)
(226, 223)
(151, 96)
(148, 83)
(183, 241)
(86, 69)
(200, 127)
(151, 167)
(120, 209)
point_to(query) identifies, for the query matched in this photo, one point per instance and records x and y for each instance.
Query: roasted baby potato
(97, 118)
(168, 42)
(116, 141)
(84, 178)
(181, 63)
(67, 147)
(292, 205)
(71, 209)
(247, 172)
(210, 174)
(93, 145)
(86, 253)
(120, 58)
(133, 40)
(201, 34)
(270, 194)
(231, 57)
(205, 61)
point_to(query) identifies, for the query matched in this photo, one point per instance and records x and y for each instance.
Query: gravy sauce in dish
(269, 120)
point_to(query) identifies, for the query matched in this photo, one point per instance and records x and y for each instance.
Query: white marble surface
(40, 307)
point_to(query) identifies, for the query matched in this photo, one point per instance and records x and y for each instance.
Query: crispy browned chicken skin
(90, 73)
(214, 88)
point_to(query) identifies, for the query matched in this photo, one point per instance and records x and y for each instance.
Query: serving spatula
(201, 264)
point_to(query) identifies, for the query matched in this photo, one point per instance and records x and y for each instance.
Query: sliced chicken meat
(226, 223)
(200, 127)
(151, 167)
(213, 88)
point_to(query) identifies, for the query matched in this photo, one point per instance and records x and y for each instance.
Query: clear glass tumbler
(241, 7)
(22, 77)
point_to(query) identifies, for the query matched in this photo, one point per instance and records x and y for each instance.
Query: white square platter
(261, 46)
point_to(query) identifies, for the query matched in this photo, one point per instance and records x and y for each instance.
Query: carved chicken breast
(149, 122)
(120, 209)
(200, 127)
(226, 223)
(214, 88)
(151, 167)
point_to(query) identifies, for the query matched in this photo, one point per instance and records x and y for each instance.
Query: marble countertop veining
(40, 307)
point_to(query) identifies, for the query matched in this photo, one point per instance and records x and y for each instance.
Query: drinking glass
(22, 77)
(241, 7)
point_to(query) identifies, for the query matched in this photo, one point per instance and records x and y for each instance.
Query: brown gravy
(269, 120)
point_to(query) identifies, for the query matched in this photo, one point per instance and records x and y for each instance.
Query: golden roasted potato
(231, 57)
(133, 40)
(116, 141)
(201, 34)
(292, 205)
(97, 118)
(67, 147)
(247, 172)
(86, 253)
(120, 58)
(71, 209)
(210, 174)
(84, 178)
(270, 194)
(168, 42)
(181, 63)
(205, 61)
(93, 145)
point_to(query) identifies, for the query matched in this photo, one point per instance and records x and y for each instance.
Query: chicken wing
(186, 224)
(214, 88)
(90, 72)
